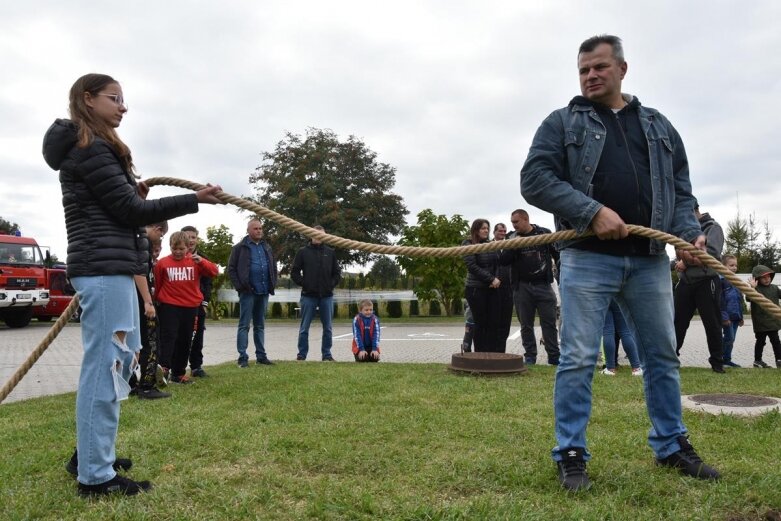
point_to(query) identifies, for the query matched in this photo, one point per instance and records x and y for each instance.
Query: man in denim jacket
(600, 163)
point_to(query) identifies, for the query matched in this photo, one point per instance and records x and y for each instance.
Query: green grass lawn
(391, 441)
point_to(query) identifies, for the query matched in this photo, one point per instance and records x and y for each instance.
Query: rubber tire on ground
(44, 319)
(18, 317)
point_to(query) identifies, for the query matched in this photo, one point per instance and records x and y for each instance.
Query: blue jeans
(308, 306)
(730, 332)
(615, 322)
(641, 285)
(109, 305)
(252, 307)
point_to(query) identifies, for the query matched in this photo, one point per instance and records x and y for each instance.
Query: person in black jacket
(105, 210)
(315, 269)
(482, 290)
(253, 272)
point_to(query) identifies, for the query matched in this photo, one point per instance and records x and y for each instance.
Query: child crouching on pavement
(366, 333)
(765, 325)
(178, 293)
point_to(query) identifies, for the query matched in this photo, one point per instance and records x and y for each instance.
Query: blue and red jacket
(366, 333)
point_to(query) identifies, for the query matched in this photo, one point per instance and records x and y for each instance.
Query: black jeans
(759, 346)
(196, 350)
(705, 297)
(176, 335)
(531, 299)
(147, 357)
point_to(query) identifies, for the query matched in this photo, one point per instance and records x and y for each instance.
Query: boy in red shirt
(178, 292)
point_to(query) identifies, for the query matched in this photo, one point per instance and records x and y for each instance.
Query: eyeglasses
(116, 98)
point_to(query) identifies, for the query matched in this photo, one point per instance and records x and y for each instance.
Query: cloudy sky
(450, 93)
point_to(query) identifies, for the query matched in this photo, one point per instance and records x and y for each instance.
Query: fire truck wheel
(18, 317)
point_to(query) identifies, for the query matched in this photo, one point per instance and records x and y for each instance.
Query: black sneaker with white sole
(152, 393)
(688, 462)
(116, 485)
(572, 469)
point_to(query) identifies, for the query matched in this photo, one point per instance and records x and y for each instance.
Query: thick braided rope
(410, 251)
(38, 351)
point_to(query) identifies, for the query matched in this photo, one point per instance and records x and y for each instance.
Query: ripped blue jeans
(109, 306)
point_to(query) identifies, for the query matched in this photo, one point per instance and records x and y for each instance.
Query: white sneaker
(638, 371)
(609, 372)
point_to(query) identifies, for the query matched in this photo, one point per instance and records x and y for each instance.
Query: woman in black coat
(481, 291)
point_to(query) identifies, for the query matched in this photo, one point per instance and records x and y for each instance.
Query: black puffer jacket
(103, 212)
(316, 270)
(482, 268)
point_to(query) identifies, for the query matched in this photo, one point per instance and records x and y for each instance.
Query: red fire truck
(22, 279)
(60, 295)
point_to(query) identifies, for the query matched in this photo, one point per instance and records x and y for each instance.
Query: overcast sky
(450, 93)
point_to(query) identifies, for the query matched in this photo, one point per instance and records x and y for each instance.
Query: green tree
(217, 248)
(318, 179)
(440, 279)
(385, 272)
(8, 227)
(768, 253)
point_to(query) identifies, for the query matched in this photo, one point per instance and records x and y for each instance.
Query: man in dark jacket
(532, 276)
(315, 269)
(253, 273)
(196, 349)
(699, 287)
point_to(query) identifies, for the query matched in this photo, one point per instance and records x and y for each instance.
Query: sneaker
(328, 359)
(184, 379)
(116, 485)
(553, 361)
(637, 371)
(466, 348)
(688, 462)
(760, 364)
(300, 358)
(198, 372)
(730, 363)
(530, 361)
(264, 361)
(608, 372)
(72, 467)
(152, 393)
(572, 470)
(243, 364)
(778, 364)
(161, 376)
(718, 368)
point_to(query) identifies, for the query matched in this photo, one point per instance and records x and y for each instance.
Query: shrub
(414, 309)
(336, 310)
(276, 310)
(394, 309)
(291, 309)
(457, 307)
(434, 309)
(353, 309)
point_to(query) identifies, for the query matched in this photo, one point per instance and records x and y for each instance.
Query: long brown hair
(474, 231)
(89, 125)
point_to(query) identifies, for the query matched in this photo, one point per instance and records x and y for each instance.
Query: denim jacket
(558, 172)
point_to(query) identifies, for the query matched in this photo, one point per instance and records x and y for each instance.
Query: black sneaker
(264, 361)
(72, 467)
(688, 462)
(116, 485)
(328, 359)
(198, 372)
(778, 364)
(761, 364)
(152, 393)
(572, 470)
(730, 363)
(300, 358)
(243, 364)
(530, 361)
(718, 369)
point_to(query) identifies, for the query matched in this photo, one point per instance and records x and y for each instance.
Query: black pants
(176, 336)
(505, 315)
(147, 358)
(485, 306)
(759, 346)
(531, 299)
(705, 297)
(196, 350)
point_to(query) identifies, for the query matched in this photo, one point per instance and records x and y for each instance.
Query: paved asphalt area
(57, 371)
